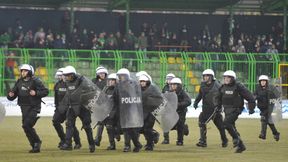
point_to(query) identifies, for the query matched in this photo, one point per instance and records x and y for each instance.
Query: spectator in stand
(84, 39)
(240, 48)
(60, 42)
(18, 30)
(130, 40)
(9, 69)
(28, 40)
(75, 39)
(173, 42)
(142, 42)
(5, 38)
(119, 40)
(271, 48)
(111, 42)
(101, 41)
(50, 40)
(184, 38)
(39, 38)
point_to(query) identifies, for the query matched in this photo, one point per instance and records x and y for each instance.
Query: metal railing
(186, 65)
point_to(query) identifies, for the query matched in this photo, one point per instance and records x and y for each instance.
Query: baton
(212, 116)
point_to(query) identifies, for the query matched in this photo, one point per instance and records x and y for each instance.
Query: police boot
(90, 139)
(166, 138)
(112, 146)
(224, 138)
(262, 135)
(137, 148)
(36, 148)
(60, 133)
(275, 132)
(111, 140)
(240, 147)
(149, 147)
(127, 147)
(66, 146)
(202, 140)
(77, 146)
(186, 130)
(76, 138)
(61, 143)
(135, 140)
(155, 137)
(98, 137)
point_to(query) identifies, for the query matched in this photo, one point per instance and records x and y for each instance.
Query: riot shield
(2, 112)
(100, 107)
(130, 104)
(166, 113)
(276, 100)
(151, 98)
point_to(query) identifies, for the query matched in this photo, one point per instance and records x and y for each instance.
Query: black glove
(251, 112)
(195, 105)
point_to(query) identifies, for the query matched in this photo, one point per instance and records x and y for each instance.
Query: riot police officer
(265, 95)
(183, 102)
(165, 89)
(151, 99)
(232, 98)
(209, 94)
(76, 86)
(60, 112)
(29, 91)
(100, 81)
(127, 96)
(112, 121)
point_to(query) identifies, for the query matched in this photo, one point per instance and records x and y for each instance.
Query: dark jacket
(232, 97)
(183, 100)
(22, 90)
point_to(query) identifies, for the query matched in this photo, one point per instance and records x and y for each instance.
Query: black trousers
(85, 117)
(29, 119)
(131, 134)
(58, 119)
(229, 123)
(149, 122)
(180, 125)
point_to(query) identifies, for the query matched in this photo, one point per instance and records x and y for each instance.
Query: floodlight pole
(71, 16)
(231, 21)
(285, 25)
(127, 15)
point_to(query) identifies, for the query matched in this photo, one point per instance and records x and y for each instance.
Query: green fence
(186, 65)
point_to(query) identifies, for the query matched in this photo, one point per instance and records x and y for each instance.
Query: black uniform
(183, 102)
(265, 96)
(232, 98)
(100, 126)
(112, 122)
(209, 93)
(30, 107)
(100, 83)
(72, 99)
(60, 115)
(151, 99)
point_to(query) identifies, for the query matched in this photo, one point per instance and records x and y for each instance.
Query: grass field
(14, 145)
